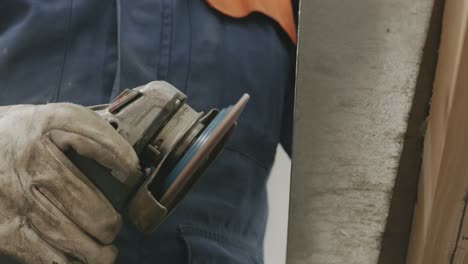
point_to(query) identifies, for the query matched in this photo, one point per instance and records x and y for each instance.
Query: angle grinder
(174, 143)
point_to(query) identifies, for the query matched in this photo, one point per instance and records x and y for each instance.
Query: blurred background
(278, 197)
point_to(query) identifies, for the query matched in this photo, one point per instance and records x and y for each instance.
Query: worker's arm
(49, 211)
(287, 122)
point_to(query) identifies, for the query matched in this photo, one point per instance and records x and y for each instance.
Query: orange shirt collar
(279, 10)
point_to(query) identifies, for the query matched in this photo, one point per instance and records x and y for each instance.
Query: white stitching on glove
(49, 211)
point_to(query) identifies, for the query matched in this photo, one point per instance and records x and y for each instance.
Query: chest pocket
(234, 53)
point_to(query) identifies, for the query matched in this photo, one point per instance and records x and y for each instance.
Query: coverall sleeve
(286, 136)
(286, 139)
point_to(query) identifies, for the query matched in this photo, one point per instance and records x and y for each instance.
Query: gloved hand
(49, 211)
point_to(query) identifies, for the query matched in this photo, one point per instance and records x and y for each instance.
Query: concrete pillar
(361, 102)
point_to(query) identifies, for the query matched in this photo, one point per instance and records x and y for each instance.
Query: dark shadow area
(396, 236)
(7, 260)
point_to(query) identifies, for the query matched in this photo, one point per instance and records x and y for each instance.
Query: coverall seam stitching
(189, 71)
(166, 34)
(232, 241)
(187, 245)
(247, 156)
(170, 45)
(116, 84)
(65, 53)
(158, 63)
(106, 61)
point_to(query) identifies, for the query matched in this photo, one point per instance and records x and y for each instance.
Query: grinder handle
(116, 192)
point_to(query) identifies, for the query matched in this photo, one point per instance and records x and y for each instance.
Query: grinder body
(173, 142)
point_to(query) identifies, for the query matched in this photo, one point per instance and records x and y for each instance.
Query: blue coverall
(87, 51)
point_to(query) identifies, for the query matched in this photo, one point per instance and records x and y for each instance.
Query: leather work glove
(49, 211)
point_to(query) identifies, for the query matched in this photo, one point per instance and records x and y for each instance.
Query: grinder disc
(194, 160)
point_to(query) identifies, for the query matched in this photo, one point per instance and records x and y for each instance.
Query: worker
(58, 56)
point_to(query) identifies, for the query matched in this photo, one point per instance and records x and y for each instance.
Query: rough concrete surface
(358, 66)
